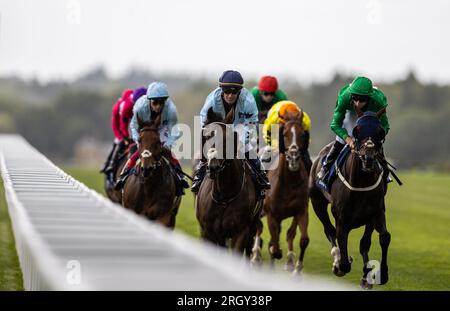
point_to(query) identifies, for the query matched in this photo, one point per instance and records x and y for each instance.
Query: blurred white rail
(68, 237)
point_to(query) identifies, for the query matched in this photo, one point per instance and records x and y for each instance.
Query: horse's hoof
(290, 263)
(275, 254)
(346, 268)
(337, 271)
(365, 285)
(256, 259)
(298, 271)
(289, 266)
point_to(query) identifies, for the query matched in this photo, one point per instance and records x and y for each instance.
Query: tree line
(54, 116)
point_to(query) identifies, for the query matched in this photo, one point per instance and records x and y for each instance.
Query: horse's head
(150, 146)
(216, 137)
(293, 139)
(369, 137)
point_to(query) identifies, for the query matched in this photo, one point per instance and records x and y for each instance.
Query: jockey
(157, 102)
(276, 115)
(363, 95)
(231, 97)
(267, 94)
(119, 143)
(126, 112)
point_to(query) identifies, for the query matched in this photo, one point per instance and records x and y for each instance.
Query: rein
(363, 189)
(224, 203)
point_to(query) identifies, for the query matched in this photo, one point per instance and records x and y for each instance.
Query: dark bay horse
(111, 193)
(288, 196)
(357, 199)
(225, 203)
(150, 191)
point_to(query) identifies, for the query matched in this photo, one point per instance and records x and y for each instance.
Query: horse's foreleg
(342, 239)
(364, 246)
(303, 221)
(320, 208)
(256, 258)
(274, 244)
(290, 236)
(385, 240)
(240, 242)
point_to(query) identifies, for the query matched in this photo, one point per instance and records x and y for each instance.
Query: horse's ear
(139, 121)
(381, 112)
(381, 134)
(301, 116)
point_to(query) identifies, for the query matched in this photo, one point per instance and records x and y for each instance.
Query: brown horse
(288, 196)
(357, 199)
(150, 191)
(225, 203)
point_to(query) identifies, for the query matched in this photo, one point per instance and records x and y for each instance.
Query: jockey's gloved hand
(127, 141)
(350, 141)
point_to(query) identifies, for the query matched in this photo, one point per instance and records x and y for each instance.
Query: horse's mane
(212, 117)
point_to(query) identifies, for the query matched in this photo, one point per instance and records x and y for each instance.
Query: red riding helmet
(268, 84)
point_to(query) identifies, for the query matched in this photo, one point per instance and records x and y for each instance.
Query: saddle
(328, 180)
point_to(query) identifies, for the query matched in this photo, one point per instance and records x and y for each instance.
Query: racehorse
(288, 196)
(111, 193)
(357, 199)
(226, 201)
(150, 191)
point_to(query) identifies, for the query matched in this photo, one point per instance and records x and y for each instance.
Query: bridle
(146, 171)
(367, 144)
(223, 164)
(293, 148)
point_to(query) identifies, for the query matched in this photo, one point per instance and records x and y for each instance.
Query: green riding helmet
(361, 86)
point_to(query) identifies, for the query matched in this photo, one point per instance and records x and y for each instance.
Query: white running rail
(68, 237)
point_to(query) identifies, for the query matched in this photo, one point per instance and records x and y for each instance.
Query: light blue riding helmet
(157, 90)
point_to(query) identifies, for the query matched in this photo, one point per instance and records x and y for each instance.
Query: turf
(418, 217)
(10, 273)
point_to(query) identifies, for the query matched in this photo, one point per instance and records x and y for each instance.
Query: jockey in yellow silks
(276, 115)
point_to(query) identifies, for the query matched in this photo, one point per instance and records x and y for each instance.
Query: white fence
(68, 237)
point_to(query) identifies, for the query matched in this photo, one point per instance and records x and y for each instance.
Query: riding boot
(180, 180)
(261, 177)
(108, 159)
(122, 178)
(115, 155)
(199, 175)
(330, 158)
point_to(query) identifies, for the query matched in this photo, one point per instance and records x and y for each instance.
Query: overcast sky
(307, 40)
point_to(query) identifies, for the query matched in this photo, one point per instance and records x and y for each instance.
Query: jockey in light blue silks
(231, 95)
(147, 108)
